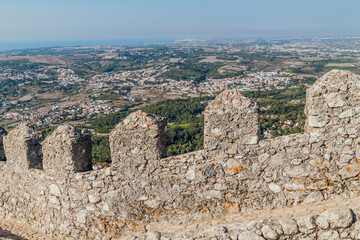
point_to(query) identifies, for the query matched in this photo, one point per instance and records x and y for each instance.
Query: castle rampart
(236, 172)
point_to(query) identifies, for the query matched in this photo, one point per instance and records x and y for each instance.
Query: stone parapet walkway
(309, 217)
(229, 227)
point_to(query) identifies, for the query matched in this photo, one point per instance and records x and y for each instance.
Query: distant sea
(18, 45)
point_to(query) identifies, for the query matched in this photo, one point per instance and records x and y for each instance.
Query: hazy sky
(47, 20)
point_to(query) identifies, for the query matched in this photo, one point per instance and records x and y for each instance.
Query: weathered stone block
(329, 235)
(246, 235)
(22, 148)
(314, 197)
(274, 188)
(67, 149)
(138, 142)
(350, 171)
(340, 217)
(306, 223)
(334, 100)
(269, 233)
(346, 114)
(289, 226)
(318, 121)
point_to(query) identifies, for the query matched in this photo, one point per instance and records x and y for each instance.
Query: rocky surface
(233, 175)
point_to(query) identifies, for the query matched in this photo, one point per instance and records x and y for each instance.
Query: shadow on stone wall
(3, 133)
(9, 236)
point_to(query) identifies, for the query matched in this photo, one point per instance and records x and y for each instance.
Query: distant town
(53, 85)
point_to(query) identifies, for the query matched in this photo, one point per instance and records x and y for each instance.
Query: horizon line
(9, 45)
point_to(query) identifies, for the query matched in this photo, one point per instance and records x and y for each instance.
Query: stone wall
(234, 173)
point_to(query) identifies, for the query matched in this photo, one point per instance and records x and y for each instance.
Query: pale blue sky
(48, 20)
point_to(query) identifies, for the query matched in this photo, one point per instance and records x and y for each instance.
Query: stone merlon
(67, 149)
(137, 141)
(231, 123)
(22, 148)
